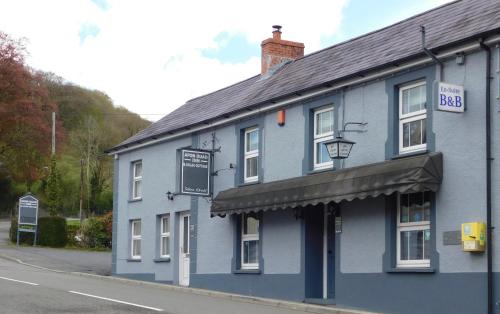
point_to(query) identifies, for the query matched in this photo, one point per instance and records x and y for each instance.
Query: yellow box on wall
(473, 236)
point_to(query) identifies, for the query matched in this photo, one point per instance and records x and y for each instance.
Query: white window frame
(410, 226)
(249, 237)
(136, 178)
(250, 154)
(411, 117)
(135, 237)
(164, 235)
(319, 138)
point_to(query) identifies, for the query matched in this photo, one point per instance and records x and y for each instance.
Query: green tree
(53, 190)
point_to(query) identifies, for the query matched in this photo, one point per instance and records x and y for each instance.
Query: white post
(53, 133)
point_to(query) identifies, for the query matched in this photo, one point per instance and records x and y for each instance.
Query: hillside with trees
(87, 123)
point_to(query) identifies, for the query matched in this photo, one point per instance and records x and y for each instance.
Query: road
(24, 289)
(61, 259)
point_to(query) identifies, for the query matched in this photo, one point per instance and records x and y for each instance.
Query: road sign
(195, 172)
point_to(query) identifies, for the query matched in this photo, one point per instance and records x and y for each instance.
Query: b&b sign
(195, 172)
(450, 97)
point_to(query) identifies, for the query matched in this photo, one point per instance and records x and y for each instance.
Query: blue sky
(152, 56)
(358, 17)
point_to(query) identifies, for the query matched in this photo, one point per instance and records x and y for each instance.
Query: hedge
(52, 231)
(24, 237)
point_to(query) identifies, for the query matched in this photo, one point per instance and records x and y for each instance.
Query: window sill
(314, 171)
(247, 271)
(162, 260)
(410, 154)
(411, 270)
(136, 260)
(249, 183)
(135, 200)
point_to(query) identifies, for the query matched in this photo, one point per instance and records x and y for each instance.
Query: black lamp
(339, 148)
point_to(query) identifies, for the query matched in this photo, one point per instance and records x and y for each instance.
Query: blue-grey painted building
(379, 230)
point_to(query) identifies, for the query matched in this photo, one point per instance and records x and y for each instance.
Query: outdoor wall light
(170, 196)
(339, 148)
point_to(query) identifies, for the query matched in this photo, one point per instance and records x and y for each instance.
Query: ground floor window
(249, 241)
(136, 236)
(164, 236)
(413, 230)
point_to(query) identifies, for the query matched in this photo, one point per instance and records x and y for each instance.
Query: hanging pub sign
(195, 172)
(450, 97)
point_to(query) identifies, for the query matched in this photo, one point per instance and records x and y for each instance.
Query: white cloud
(147, 54)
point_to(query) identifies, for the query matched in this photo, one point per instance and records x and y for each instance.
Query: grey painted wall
(159, 172)
(363, 236)
(461, 138)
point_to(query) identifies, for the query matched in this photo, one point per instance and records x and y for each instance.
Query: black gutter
(489, 160)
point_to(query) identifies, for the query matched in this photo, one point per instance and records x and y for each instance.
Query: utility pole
(53, 134)
(81, 191)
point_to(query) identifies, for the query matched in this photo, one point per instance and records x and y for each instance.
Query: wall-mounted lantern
(339, 147)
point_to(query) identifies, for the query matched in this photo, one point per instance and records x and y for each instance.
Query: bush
(52, 231)
(107, 220)
(72, 231)
(24, 237)
(94, 234)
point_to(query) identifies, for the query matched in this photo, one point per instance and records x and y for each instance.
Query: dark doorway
(317, 254)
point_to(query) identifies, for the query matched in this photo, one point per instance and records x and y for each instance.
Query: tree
(25, 115)
(53, 191)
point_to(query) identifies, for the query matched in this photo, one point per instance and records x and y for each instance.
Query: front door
(319, 250)
(184, 250)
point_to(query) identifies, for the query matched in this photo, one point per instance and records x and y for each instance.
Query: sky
(151, 56)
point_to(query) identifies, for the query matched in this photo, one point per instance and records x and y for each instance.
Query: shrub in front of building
(52, 231)
(94, 233)
(72, 231)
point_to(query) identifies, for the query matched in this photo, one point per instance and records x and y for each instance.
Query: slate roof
(449, 24)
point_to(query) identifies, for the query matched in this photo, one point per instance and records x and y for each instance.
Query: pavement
(69, 260)
(44, 280)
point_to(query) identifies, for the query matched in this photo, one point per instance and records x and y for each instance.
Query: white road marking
(26, 282)
(117, 301)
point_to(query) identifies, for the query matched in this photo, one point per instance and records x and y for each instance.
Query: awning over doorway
(405, 175)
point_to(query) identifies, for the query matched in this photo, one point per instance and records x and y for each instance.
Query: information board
(195, 172)
(28, 210)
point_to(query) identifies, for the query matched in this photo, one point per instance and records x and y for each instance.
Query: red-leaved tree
(25, 115)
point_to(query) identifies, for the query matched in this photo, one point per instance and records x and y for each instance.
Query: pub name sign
(195, 172)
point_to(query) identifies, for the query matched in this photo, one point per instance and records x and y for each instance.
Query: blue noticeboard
(28, 216)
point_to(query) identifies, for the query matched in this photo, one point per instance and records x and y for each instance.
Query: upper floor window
(251, 155)
(137, 180)
(136, 237)
(249, 241)
(412, 117)
(413, 230)
(323, 131)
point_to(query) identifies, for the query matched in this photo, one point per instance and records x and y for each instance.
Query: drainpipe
(430, 54)
(489, 159)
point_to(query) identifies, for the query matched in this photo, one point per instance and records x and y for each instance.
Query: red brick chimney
(275, 50)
